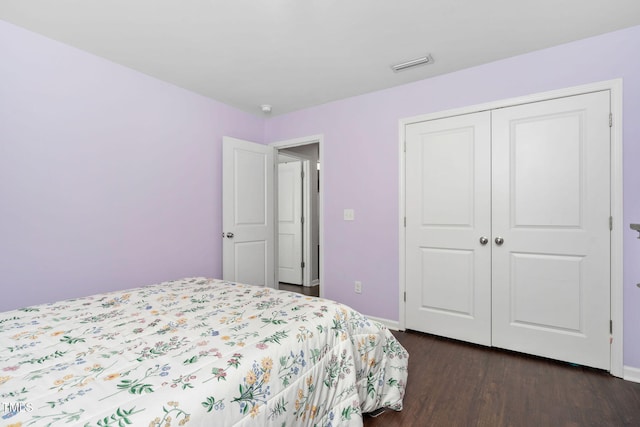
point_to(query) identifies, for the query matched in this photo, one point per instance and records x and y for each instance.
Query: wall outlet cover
(349, 215)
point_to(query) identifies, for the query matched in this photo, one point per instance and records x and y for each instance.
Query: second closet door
(550, 205)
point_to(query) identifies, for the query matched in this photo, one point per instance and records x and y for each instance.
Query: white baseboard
(390, 324)
(315, 282)
(631, 374)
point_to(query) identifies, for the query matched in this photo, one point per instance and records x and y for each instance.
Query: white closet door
(448, 189)
(551, 279)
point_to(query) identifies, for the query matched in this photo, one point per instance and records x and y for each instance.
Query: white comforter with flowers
(196, 352)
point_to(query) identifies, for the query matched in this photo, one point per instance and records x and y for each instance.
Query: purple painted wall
(108, 178)
(361, 163)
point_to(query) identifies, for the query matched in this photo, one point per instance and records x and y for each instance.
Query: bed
(196, 352)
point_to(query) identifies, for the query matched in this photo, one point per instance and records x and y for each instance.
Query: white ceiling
(294, 54)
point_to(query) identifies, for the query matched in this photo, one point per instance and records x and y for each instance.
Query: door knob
(499, 241)
(484, 240)
(229, 235)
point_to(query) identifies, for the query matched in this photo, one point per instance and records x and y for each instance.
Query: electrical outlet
(358, 287)
(349, 215)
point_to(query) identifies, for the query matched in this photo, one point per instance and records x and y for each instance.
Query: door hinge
(302, 219)
(302, 264)
(405, 145)
(610, 223)
(405, 296)
(302, 174)
(611, 326)
(610, 119)
(405, 222)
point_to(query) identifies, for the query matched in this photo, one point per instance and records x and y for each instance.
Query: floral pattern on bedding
(197, 352)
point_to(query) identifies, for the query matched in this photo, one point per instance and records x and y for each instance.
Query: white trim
(319, 139)
(510, 102)
(632, 374)
(615, 88)
(306, 213)
(390, 324)
(401, 234)
(617, 300)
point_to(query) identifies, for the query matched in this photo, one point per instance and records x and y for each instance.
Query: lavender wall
(108, 178)
(361, 164)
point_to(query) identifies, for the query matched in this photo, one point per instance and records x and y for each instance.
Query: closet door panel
(550, 205)
(448, 210)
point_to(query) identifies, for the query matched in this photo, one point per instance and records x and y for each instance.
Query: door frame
(296, 142)
(616, 207)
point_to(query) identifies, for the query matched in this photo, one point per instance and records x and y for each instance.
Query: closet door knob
(499, 241)
(229, 235)
(484, 240)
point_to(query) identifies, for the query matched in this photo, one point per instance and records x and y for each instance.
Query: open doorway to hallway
(298, 201)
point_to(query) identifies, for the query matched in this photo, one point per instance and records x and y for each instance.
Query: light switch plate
(349, 215)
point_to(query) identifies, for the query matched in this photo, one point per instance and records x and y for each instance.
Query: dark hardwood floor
(458, 384)
(313, 291)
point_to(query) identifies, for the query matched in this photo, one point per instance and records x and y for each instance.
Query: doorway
(307, 151)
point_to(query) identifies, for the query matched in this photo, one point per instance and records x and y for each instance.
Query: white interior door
(290, 222)
(448, 208)
(248, 212)
(551, 207)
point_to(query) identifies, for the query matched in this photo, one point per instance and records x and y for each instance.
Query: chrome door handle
(229, 235)
(499, 241)
(484, 240)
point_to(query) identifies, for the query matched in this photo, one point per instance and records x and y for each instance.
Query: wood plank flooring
(459, 384)
(313, 291)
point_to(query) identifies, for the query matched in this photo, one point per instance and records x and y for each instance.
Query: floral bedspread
(196, 352)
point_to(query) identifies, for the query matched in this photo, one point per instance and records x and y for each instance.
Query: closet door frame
(615, 88)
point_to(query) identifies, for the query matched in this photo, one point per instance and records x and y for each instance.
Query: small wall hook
(635, 227)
